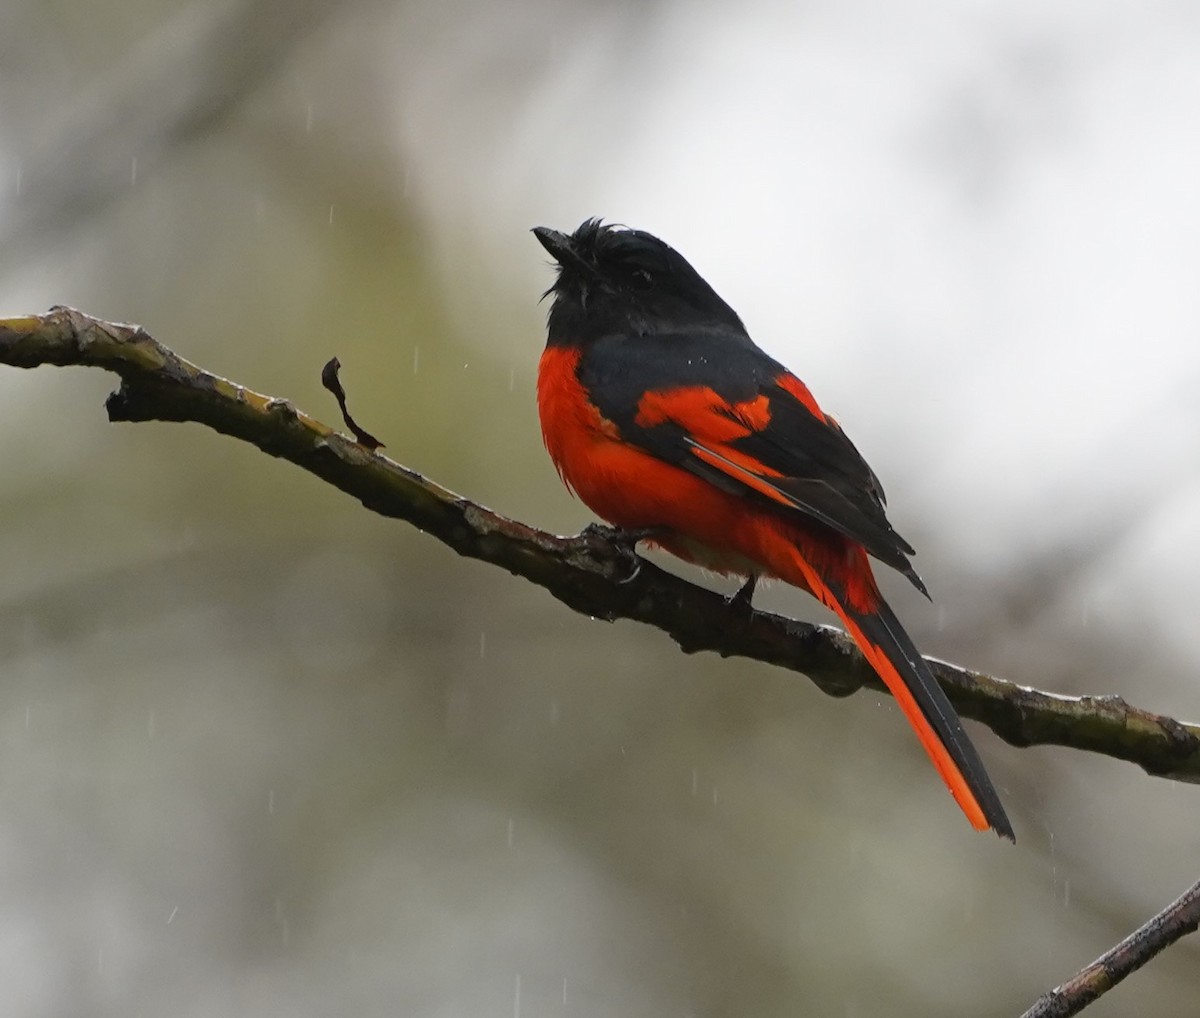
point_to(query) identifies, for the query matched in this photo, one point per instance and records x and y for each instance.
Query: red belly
(632, 489)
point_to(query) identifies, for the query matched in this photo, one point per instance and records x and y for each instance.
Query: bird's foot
(625, 540)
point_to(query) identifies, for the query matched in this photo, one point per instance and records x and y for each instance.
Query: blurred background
(264, 753)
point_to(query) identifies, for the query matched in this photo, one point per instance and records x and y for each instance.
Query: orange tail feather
(887, 647)
(891, 652)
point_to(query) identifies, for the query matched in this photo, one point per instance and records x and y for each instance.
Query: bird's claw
(621, 537)
(624, 540)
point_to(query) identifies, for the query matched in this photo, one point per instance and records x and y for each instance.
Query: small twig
(329, 379)
(1177, 920)
(591, 572)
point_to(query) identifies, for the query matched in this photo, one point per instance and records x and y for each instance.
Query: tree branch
(591, 573)
(1178, 919)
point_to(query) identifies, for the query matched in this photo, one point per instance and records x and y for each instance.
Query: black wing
(715, 404)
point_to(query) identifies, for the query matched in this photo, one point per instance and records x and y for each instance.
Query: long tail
(891, 653)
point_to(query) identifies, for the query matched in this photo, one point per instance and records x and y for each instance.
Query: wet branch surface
(1178, 919)
(593, 572)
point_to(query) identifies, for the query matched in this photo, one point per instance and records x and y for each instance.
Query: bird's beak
(561, 247)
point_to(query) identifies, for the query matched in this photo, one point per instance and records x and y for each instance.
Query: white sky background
(973, 229)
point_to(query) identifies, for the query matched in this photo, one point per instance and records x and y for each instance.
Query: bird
(663, 416)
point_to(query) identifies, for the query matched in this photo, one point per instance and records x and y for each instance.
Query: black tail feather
(883, 629)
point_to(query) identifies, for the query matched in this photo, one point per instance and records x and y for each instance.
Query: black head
(615, 280)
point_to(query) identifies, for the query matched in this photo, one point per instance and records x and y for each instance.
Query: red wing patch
(703, 413)
(790, 384)
(710, 423)
(754, 413)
